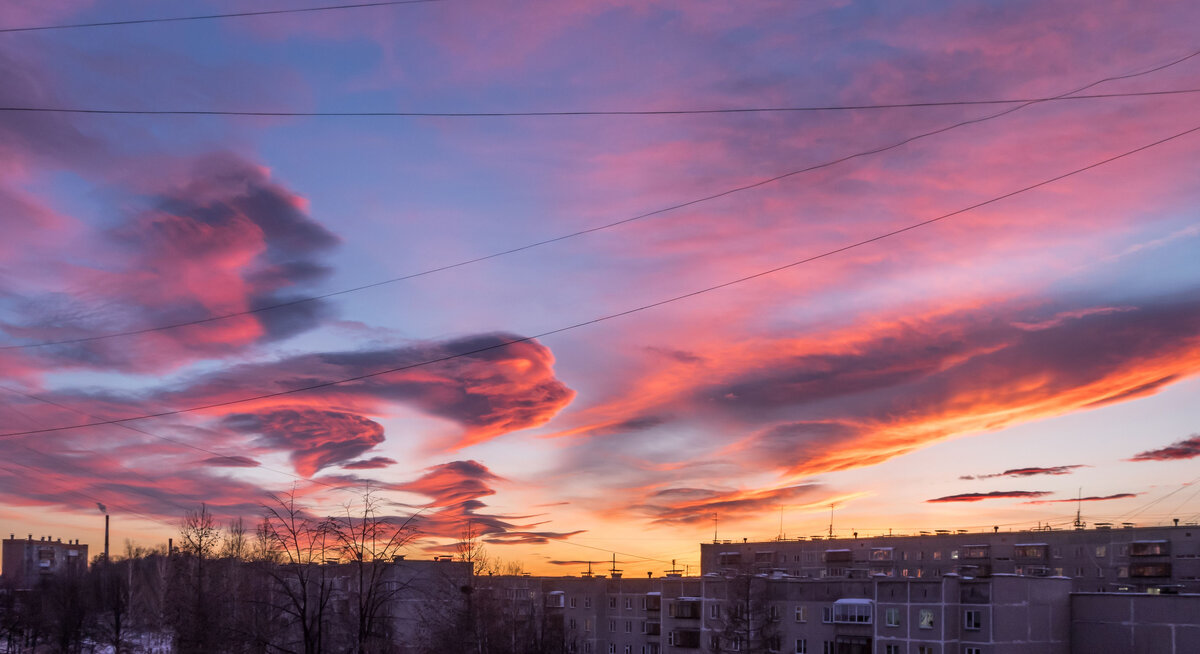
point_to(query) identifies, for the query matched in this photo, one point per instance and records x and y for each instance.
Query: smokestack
(170, 546)
(106, 538)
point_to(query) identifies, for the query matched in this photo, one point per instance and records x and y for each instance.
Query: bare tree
(235, 544)
(197, 630)
(370, 543)
(301, 544)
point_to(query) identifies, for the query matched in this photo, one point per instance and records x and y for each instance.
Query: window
(891, 649)
(587, 602)
(827, 614)
(572, 602)
(629, 603)
(954, 554)
(587, 647)
(925, 619)
(714, 611)
(628, 626)
(925, 649)
(801, 646)
(828, 648)
(612, 602)
(972, 619)
(852, 612)
(612, 626)
(587, 624)
(892, 617)
(612, 649)
(571, 624)
(801, 613)
(1101, 550)
(972, 650)
(628, 649)
(773, 613)
(643, 603)
(937, 555)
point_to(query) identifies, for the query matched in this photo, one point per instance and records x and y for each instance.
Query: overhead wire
(175, 441)
(234, 14)
(619, 314)
(596, 228)
(581, 112)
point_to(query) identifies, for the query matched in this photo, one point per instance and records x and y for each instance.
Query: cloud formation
(1027, 472)
(976, 497)
(315, 438)
(455, 490)
(1093, 498)
(1188, 448)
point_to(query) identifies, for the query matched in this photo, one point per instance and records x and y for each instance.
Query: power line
(613, 316)
(584, 112)
(237, 14)
(597, 228)
(166, 439)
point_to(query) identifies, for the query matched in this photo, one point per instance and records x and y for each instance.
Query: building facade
(27, 561)
(752, 613)
(1129, 559)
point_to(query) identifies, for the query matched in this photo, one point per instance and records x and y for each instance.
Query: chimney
(1176, 522)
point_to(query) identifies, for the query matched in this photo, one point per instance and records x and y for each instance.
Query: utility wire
(584, 112)
(597, 228)
(613, 316)
(237, 14)
(168, 439)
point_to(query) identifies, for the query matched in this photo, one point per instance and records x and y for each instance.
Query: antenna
(714, 528)
(1079, 524)
(780, 522)
(589, 570)
(831, 521)
(616, 574)
(674, 569)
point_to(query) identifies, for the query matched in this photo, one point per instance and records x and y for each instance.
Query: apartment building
(27, 561)
(751, 613)
(1104, 559)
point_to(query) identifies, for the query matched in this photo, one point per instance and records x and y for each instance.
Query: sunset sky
(984, 369)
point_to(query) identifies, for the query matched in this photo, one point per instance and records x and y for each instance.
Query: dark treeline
(292, 584)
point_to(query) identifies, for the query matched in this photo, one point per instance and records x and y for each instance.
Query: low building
(27, 561)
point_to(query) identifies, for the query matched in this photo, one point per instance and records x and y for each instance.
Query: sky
(590, 337)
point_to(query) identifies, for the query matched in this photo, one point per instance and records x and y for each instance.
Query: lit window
(925, 619)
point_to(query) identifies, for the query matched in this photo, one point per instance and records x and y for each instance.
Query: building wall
(1097, 560)
(26, 561)
(1132, 624)
(707, 614)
